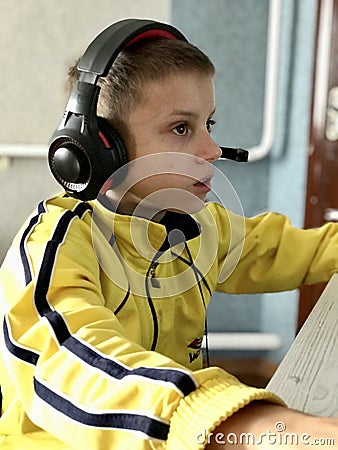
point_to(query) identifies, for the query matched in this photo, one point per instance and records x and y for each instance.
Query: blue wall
(234, 34)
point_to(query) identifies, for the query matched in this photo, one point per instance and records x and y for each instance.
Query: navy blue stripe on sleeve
(149, 426)
(181, 380)
(20, 352)
(24, 258)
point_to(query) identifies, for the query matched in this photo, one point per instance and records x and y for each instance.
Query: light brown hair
(137, 64)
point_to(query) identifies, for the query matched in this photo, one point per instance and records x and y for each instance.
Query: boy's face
(170, 143)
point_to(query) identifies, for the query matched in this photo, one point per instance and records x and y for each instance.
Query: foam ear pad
(112, 139)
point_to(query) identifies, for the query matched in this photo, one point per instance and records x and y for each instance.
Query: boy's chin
(181, 202)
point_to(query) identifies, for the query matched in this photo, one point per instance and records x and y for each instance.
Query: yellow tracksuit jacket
(103, 317)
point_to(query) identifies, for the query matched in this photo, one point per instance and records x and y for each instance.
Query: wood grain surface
(307, 378)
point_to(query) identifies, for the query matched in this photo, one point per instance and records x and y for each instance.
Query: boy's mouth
(204, 184)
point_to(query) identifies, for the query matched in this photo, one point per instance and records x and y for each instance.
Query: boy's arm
(277, 256)
(262, 425)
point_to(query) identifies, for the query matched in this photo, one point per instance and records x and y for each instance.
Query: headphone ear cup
(82, 163)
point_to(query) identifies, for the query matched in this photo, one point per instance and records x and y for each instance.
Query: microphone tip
(235, 154)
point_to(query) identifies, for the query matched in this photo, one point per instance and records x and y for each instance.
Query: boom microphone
(235, 154)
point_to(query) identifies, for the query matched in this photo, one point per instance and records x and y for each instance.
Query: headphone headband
(104, 49)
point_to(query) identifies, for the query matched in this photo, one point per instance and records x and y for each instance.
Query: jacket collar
(179, 228)
(174, 228)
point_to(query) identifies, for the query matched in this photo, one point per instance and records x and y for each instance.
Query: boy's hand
(265, 426)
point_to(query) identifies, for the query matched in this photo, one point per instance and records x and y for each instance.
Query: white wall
(39, 40)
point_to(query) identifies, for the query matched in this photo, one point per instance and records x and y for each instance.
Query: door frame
(326, 28)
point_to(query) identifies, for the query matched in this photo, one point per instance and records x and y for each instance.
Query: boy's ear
(85, 150)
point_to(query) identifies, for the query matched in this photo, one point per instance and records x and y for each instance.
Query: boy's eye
(181, 129)
(210, 124)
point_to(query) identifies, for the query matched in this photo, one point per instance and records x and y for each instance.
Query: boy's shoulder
(58, 205)
(51, 212)
(63, 202)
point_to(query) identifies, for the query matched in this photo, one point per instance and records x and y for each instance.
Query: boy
(105, 300)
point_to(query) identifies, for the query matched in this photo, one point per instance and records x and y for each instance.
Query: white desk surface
(307, 378)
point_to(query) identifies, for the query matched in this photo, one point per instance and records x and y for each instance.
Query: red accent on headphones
(104, 140)
(106, 186)
(152, 34)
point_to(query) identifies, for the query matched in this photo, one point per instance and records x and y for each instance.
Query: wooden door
(322, 181)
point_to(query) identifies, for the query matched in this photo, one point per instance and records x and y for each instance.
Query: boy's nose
(209, 150)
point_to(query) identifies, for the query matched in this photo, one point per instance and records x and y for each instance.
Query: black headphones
(86, 150)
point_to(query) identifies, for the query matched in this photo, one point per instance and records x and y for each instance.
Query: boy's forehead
(178, 92)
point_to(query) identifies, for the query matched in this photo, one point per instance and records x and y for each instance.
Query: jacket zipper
(151, 275)
(154, 281)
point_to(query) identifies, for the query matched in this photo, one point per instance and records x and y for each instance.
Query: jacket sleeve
(74, 372)
(275, 256)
